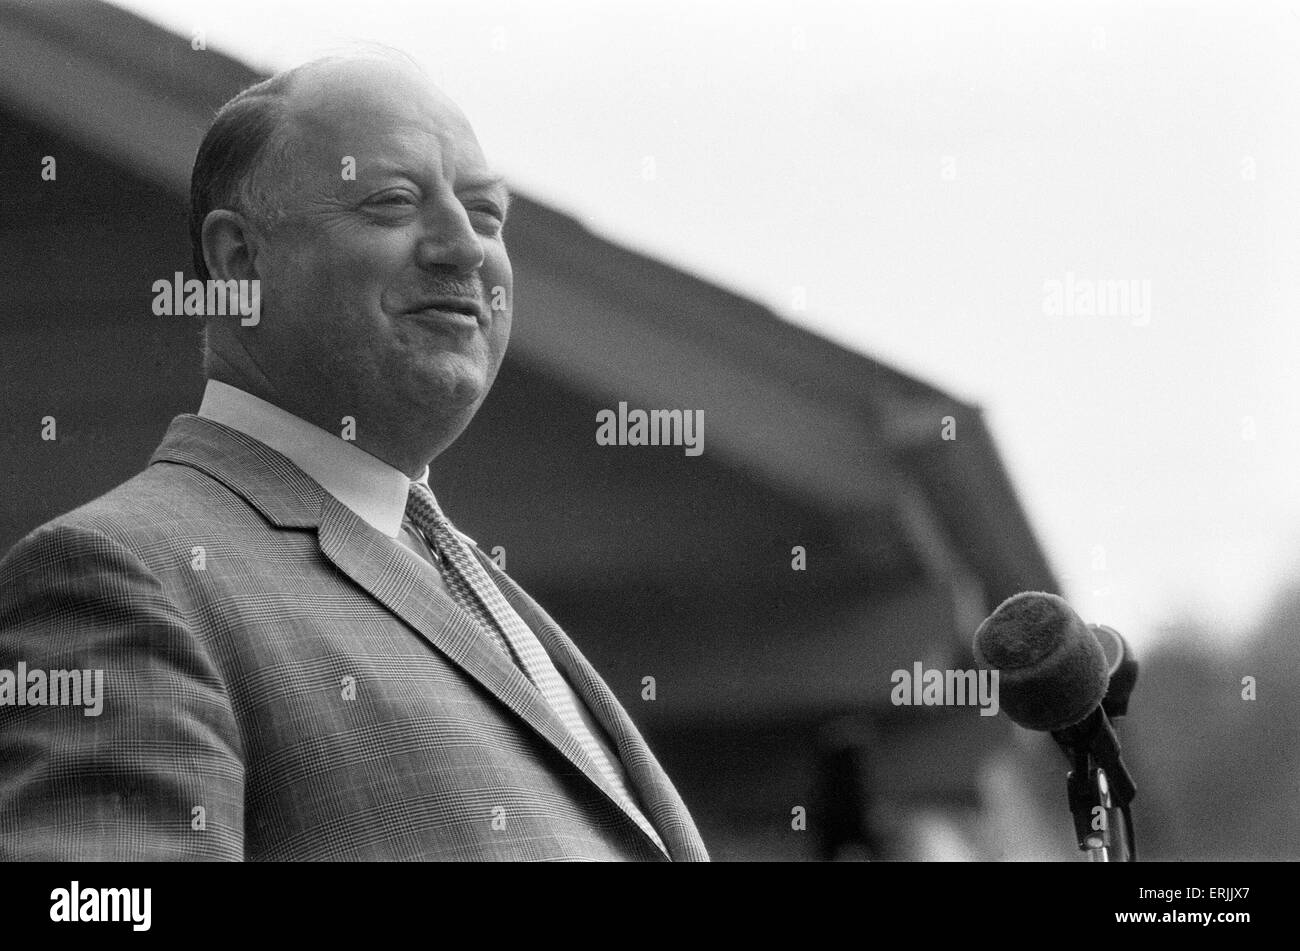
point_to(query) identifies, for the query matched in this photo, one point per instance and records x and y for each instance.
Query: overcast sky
(923, 171)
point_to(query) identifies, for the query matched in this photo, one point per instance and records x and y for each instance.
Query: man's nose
(449, 239)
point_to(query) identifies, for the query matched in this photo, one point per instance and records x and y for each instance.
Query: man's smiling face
(378, 290)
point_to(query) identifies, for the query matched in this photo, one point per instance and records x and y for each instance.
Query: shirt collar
(367, 485)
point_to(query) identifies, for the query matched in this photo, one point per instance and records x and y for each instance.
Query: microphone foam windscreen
(1052, 671)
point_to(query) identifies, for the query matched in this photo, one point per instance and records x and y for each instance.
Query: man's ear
(230, 246)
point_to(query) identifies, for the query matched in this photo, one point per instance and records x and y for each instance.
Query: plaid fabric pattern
(309, 685)
(474, 591)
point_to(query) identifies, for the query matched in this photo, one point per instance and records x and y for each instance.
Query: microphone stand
(1099, 787)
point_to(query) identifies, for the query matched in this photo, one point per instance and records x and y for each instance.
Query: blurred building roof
(807, 443)
(663, 567)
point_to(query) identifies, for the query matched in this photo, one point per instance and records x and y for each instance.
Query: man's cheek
(500, 334)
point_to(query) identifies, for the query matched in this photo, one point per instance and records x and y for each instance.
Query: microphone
(1053, 672)
(1068, 678)
(1122, 669)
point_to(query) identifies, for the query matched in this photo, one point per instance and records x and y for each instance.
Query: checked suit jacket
(284, 682)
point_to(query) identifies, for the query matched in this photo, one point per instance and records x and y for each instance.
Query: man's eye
(394, 199)
(489, 211)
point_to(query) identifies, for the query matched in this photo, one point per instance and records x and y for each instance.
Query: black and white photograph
(638, 432)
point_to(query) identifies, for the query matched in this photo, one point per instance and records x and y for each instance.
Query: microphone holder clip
(1098, 784)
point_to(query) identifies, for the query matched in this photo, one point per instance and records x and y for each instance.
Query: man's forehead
(367, 103)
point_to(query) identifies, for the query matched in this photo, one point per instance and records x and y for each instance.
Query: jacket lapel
(375, 562)
(658, 795)
(288, 498)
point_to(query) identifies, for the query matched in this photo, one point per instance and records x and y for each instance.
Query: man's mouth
(457, 309)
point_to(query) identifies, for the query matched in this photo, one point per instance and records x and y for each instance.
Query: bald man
(298, 654)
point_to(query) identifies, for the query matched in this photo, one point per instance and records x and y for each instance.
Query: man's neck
(370, 432)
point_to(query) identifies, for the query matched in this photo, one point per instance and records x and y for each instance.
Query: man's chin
(455, 384)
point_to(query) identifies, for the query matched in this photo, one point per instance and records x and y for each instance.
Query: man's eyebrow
(484, 183)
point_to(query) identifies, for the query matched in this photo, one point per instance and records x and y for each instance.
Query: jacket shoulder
(165, 501)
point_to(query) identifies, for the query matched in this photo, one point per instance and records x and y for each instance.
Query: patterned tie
(474, 591)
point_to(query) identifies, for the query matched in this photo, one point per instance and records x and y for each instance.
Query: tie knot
(422, 508)
(423, 511)
(420, 495)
